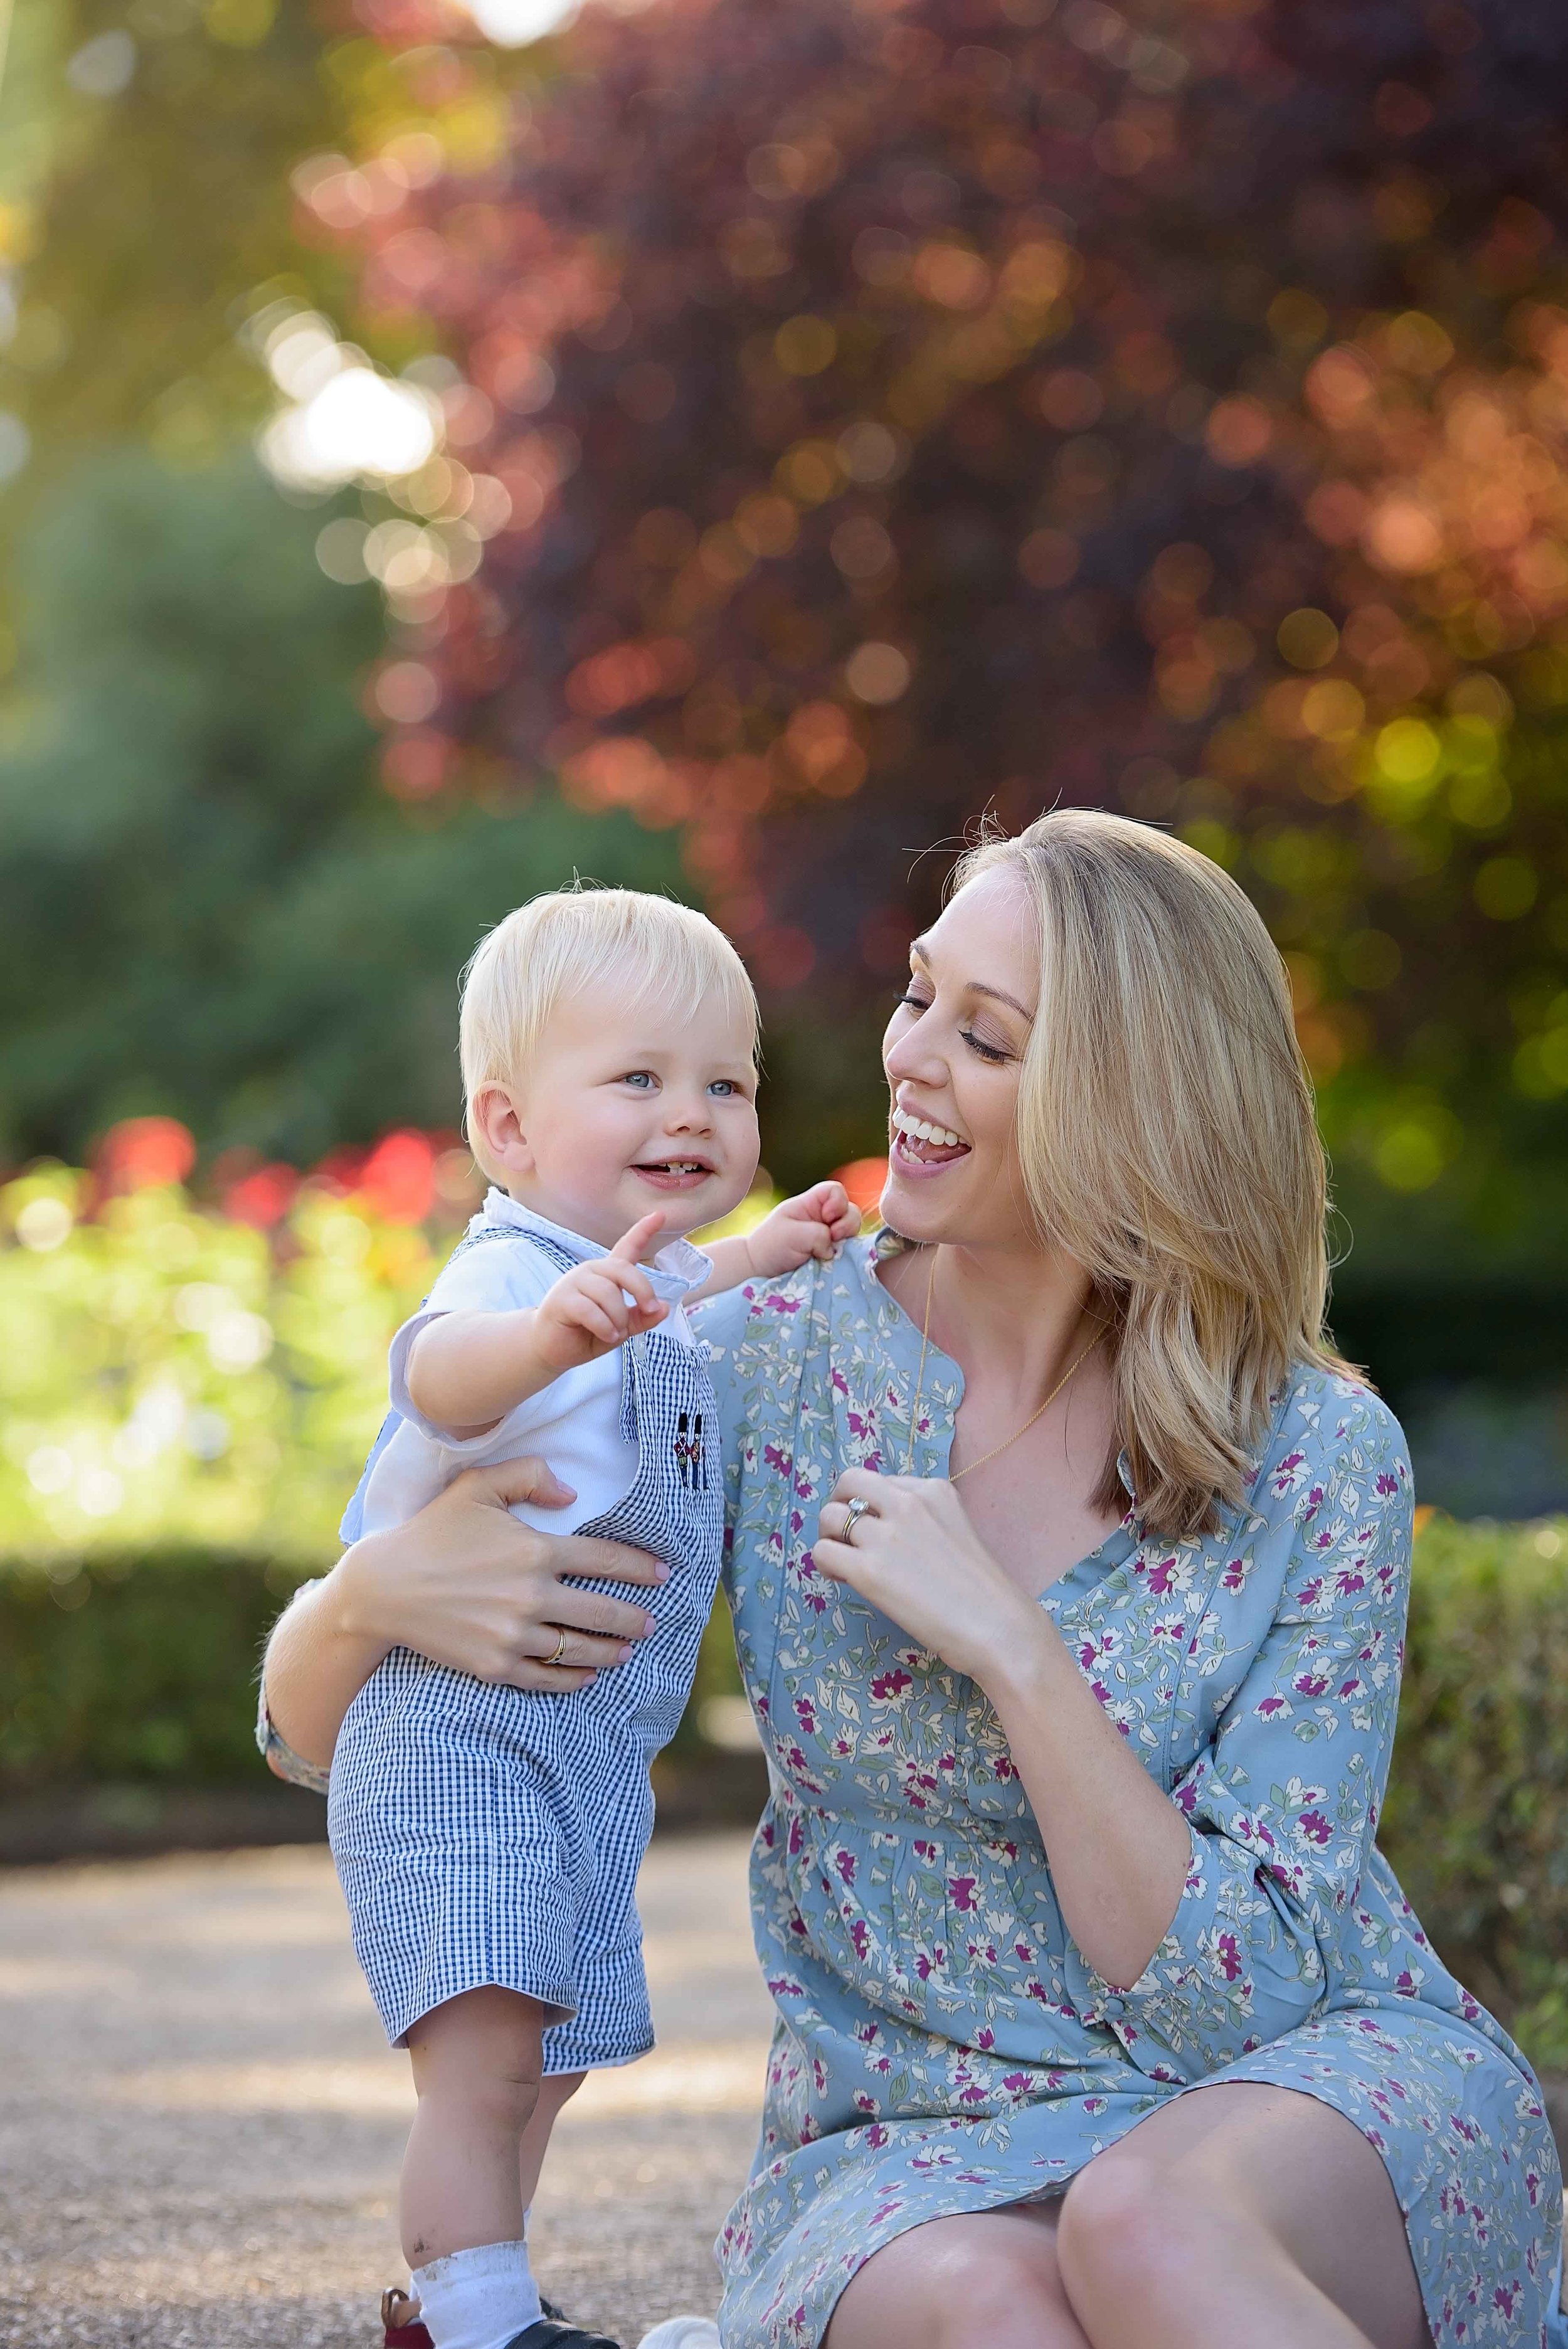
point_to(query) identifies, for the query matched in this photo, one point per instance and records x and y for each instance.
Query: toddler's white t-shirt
(574, 1424)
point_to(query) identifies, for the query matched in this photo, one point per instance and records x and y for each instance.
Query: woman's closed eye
(995, 1053)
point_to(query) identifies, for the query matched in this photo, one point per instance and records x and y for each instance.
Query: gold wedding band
(560, 1651)
(853, 1516)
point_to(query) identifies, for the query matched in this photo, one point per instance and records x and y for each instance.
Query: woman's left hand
(914, 1553)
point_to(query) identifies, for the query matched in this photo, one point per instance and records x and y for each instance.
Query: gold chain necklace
(1071, 1372)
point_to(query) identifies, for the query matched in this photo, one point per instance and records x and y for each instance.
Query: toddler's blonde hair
(1167, 1141)
(671, 957)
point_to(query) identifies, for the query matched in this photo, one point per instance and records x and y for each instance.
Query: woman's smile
(921, 1146)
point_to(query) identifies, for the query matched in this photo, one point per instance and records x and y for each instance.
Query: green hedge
(1476, 1824)
(140, 1669)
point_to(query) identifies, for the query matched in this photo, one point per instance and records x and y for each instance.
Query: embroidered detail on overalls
(691, 1460)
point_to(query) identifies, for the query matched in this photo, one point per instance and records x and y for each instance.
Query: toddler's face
(624, 1110)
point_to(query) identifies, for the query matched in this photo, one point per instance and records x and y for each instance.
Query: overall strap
(561, 1258)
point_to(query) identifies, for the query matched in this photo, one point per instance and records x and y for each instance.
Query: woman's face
(952, 1053)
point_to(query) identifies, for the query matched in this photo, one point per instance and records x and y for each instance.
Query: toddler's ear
(495, 1121)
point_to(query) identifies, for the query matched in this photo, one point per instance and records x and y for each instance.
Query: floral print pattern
(941, 2045)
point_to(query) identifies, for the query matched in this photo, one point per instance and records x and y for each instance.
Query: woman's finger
(559, 1646)
(592, 1612)
(862, 1485)
(841, 1562)
(835, 1520)
(588, 1558)
(561, 1677)
(505, 1481)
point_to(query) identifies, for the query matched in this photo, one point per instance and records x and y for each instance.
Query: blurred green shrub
(133, 1669)
(169, 1377)
(1476, 1825)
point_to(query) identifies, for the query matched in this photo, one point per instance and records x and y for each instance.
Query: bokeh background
(726, 447)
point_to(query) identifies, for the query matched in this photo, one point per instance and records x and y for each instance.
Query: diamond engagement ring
(853, 1516)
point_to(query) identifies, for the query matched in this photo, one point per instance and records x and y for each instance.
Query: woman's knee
(993, 2277)
(1132, 2217)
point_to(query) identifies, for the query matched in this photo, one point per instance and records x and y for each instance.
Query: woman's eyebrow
(976, 986)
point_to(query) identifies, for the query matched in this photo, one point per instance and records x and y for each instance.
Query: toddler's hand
(598, 1306)
(810, 1224)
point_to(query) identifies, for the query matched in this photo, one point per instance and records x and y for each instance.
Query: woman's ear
(495, 1121)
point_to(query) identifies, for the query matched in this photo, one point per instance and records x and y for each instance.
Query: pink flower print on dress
(1289, 1474)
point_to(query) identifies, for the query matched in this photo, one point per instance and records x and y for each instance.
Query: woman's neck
(1014, 1315)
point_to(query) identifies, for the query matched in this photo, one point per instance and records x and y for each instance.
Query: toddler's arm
(811, 1223)
(467, 1371)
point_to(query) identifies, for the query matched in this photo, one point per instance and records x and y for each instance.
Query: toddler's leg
(477, 2070)
(553, 2092)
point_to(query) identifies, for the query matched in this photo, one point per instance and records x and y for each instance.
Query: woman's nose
(914, 1055)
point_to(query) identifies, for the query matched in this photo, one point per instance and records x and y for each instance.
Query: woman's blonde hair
(669, 957)
(1168, 1142)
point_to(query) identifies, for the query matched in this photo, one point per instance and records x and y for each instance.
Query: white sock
(480, 2299)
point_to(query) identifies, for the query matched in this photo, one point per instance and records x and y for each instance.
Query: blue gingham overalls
(489, 1834)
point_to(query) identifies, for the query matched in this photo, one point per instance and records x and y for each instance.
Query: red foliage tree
(899, 409)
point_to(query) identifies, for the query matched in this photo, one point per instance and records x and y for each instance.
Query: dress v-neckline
(903, 1333)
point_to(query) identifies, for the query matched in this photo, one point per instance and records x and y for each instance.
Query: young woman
(1070, 1568)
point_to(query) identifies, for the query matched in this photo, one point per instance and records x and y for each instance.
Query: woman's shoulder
(770, 1313)
(1329, 1430)
(763, 1331)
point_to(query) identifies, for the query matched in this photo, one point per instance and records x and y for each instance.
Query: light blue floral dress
(941, 2045)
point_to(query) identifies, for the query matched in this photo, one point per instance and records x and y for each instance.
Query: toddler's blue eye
(723, 1086)
(638, 1077)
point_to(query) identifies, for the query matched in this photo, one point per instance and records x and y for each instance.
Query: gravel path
(200, 2124)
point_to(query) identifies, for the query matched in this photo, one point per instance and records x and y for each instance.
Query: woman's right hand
(468, 1585)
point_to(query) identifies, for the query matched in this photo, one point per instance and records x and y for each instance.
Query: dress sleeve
(1283, 1805)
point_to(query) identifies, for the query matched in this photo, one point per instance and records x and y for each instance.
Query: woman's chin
(920, 1207)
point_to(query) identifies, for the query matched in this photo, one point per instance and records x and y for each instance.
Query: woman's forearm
(466, 1584)
(319, 1656)
(1119, 1849)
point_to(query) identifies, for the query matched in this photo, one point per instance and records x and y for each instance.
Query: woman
(1070, 1569)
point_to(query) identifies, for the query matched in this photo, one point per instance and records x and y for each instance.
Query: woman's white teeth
(918, 1129)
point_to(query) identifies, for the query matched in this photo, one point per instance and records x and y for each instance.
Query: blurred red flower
(145, 1153)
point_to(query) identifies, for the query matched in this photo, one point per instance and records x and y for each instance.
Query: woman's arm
(466, 1584)
(1274, 1822)
(1119, 1849)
